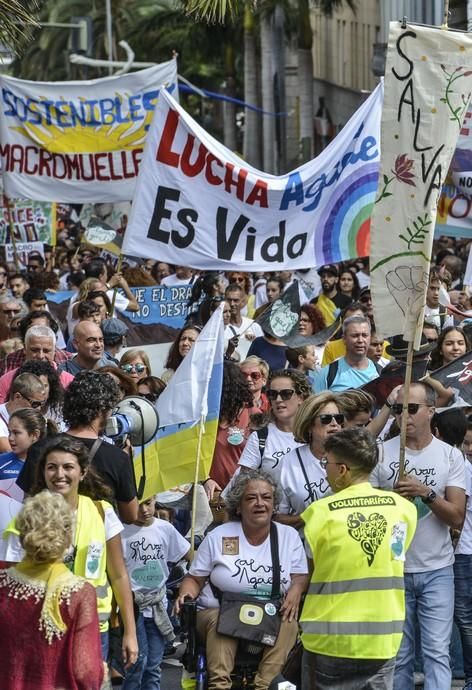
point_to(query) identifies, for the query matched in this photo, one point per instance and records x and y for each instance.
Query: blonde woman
(49, 635)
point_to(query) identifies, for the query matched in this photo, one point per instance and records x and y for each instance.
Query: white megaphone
(134, 417)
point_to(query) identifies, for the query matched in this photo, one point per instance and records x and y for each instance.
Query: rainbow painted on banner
(345, 222)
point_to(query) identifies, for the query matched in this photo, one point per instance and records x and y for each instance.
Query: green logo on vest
(369, 532)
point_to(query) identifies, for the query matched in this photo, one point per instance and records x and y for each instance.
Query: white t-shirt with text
(235, 565)
(277, 445)
(438, 466)
(298, 494)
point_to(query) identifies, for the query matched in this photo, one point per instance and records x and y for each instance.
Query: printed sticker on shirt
(92, 562)
(397, 541)
(230, 546)
(235, 435)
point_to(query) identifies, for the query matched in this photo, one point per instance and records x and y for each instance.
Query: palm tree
(18, 21)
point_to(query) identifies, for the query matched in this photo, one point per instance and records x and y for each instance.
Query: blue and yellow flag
(193, 394)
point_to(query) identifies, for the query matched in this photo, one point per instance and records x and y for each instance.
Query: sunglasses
(285, 394)
(128, 368)
(11, 311)
(3, 274)
(412, 408)
(35, 404)
(254, 375)
(149, 396)
(326, 419)
(365, 300)
(324, 462)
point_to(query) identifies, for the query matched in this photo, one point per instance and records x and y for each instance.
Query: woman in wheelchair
(234, 566)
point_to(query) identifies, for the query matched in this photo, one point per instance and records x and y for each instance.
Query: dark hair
(88, 396)
(235, 393)
(127, 383)
(27, 321)
(204, 285)
(99, 293)
(436, 360)
(92, 485)
(16, 276)
(356, 447)
(94, 268)
(76, 278)
(174, 358)
(278, 280)
(32, 420)
(451, 425)
(31, 294)
(56, 389)
(204, 312)
(36, 256)
(293, 353)
(86, 309)
(356, 288)
(155, 385)
(315, 316)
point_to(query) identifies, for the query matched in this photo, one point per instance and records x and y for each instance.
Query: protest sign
(78, 141)
(198, 204)
(280, 318)
(162, 313)
(33, 221)
(457, 375)
(23, 250)
(428, 81)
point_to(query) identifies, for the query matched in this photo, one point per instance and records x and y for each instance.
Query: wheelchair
(246, 663)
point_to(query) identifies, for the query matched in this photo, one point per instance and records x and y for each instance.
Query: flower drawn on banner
(420, 231)
(457, 111)
(402, 173)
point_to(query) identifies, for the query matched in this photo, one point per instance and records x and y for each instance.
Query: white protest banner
(428, 80)
(23, 250)
(198, 204)
(77, 141)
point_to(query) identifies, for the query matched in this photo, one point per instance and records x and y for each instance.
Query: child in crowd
(148, 546)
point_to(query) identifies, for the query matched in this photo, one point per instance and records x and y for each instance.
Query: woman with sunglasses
(150, 387)
(302, 477)
(136, 364)
(125, 382)
(179, 349)
(256, 371)
(266, 447)
(25, 426)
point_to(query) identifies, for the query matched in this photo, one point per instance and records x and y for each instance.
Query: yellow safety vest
(355, 605)
(90, 559)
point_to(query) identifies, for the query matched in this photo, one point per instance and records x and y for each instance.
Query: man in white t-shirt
(240, 325)
(435, 479)
(182, 276)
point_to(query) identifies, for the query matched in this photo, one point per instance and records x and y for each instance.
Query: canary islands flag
(193, 394)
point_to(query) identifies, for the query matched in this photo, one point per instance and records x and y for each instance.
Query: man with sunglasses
(11, 308)
(26, 391)
(434, 480)
(355, 368)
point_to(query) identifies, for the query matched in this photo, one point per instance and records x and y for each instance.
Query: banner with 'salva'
(428, 84)
(198, 204)
(78, 141)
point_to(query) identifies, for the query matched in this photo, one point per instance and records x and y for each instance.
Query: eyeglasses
(128, 368)
(285, 394)
(326, 419)
(324, 462)
(3, 274)
(412, 408)
(35, 404)
(254, 375)
(431, 340)
(149, 396)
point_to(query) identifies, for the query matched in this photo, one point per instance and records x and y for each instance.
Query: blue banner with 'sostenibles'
(162, 312)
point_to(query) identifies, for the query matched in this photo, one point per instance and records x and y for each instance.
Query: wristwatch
(430, 497)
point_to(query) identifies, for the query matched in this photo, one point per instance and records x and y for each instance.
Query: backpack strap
(305, 476)
(262, 436)
(332, 372)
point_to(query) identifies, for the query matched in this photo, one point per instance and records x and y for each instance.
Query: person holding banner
(435, 481)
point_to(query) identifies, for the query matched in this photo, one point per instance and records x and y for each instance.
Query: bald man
(88, 341)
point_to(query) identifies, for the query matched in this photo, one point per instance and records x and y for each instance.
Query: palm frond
(213, 10)
(18, 20)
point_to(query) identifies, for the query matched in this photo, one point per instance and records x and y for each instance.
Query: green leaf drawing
(418, 233)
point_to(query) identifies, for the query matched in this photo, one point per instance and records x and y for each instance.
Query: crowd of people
(365, 567)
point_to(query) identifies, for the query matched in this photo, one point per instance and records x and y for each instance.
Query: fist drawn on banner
(407, 285)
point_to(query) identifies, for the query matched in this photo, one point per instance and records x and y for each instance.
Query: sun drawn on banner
(83, 137)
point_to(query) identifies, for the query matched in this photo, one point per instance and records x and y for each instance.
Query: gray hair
(26, 385)
(40, 332)
(356, 319)
(235, 494)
